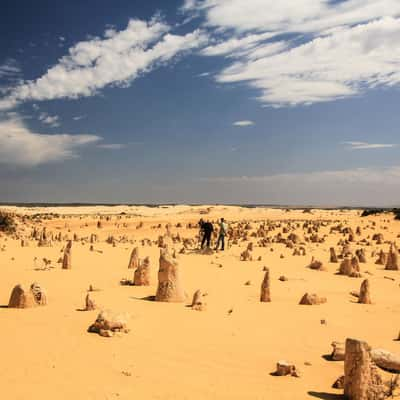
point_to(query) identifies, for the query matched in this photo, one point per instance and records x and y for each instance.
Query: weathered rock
(142, 273)
(39, 294)
(246, 256)
(365, 295)
(284, 368)
(392, 262)
(386, 360)
(312, 299)
(265, 296)
(169, 281)
(90, 305)
(333, 257)
(339, 383)
(197, 302)
(66, 264)
(382, 258)
(21, 298)
(338, 352)
(316, 265)
(361, 378)
(134, 261)
(108, 321)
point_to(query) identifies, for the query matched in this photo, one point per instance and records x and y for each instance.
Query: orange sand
(173, 352)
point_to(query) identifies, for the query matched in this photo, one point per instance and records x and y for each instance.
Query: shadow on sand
(326, 396)
(147, 298)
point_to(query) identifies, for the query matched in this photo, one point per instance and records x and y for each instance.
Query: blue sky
(200, 101)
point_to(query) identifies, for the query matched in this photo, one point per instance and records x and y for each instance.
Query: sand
(227, 351)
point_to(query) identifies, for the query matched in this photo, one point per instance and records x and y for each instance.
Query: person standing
(208, 230)
(223, 230)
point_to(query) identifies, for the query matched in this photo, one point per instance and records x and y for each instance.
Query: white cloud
(229, 46)
(117, 59)
(369, 176)
(326, 50)
(78, 117)
(320, 70)
(9, 69)
(367, 146)
(53, 121)
(243, 123)
(290, 16)
(112, 146)
(22, 147)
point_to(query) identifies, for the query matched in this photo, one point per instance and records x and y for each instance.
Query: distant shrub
(372, 211)
(7, 222)
(396, 213)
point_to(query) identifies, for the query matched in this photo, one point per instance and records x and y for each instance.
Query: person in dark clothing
(207, 229)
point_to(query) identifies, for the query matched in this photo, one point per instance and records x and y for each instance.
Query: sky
(200, 101)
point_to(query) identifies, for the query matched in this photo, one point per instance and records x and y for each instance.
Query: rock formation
(142, 273)
(312, 299)
(107, 323)
(333, 257)
(26, 298)
(392, 262)
(284, 368)
(365, 296)
(134, 260)
(89, 303)
(265, 296)
(169, 281)
(66, 264)
(197, 302)
(361, 378)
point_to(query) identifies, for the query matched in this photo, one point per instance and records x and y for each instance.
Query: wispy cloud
(22, 147)
(111, 146)
(369, 175)
(10, 68)
(243, 123)
(78, 117)
(116, 59)
(367, 146)
(53, 121)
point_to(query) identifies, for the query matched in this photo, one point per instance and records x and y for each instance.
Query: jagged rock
(246, 256)
(108, 321)
(39, 294)
(142, 273)
(284, 368)
(339, 383)
(26, 298)
(382, 258)
(265, 296)
(338, 352)
(316, 265)
(169, 282)
(312, 299)
(197, 302)
(90, 305)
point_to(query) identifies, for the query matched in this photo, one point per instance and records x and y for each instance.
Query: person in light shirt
(223, 230)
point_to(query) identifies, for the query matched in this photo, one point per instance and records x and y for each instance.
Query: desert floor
(172, 351)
